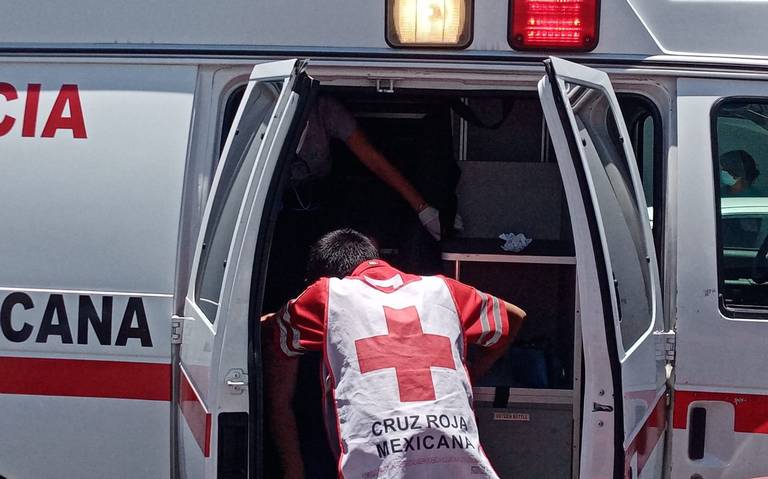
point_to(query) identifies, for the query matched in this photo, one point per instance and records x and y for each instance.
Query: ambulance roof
(628, 28)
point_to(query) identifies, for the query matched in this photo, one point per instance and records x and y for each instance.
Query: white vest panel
(401, 413)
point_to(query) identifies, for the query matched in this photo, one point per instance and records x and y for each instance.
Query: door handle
(697, 433)
(236, 379)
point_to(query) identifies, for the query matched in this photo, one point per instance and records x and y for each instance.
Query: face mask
(726, 178)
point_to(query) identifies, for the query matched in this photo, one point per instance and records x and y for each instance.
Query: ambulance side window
(740, 154)
(228, 196)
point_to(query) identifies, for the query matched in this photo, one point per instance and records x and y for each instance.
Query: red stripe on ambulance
(646, 440)
(85, 378)
(750, 410)
(197, 416)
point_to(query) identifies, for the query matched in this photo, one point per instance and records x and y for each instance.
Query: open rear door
(213, 394)
(619, 294)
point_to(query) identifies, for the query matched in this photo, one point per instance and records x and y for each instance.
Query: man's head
(740, 164)
(338, 253)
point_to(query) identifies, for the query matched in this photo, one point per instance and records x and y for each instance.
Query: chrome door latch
(236, 380)
(177, 328)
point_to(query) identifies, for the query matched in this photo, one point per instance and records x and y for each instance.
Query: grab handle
(697, 432)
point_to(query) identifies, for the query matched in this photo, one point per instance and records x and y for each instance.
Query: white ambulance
(143, 170)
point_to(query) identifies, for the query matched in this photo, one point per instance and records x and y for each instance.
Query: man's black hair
(740, 164)
(338, 253)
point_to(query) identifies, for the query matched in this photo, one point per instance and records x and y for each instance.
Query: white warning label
(511, 416)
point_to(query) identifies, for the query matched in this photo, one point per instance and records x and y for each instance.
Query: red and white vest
(394, 348)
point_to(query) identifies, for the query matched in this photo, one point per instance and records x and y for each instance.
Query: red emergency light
(553, 24)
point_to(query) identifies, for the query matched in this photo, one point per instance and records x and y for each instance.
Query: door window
(228, 196)
(741, 163)
(645, 135)
(617, 206)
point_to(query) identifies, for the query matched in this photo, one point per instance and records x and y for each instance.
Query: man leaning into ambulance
(394, 349)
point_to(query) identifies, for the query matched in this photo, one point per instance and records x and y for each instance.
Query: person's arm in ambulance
(339, 123)
(487, 357)
(381, 167)
(280, 373)
(289, 333)
(489, 324)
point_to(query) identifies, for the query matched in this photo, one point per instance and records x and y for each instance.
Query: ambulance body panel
(89, 253)
(275, 25)
(57, 113)
(731, 386)
(637, 28)
(112, 121)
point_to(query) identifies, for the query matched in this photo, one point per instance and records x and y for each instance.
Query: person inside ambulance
(395, 374)
(329, 119)
(308, 208)
(738, 172)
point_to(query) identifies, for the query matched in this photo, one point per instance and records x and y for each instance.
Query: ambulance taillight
(570, 25)
(429, 23)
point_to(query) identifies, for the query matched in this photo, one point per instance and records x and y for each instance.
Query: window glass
(228, 196)
(741, 163)
(644, 149)
(230, 109)
(621, 218)
(640, 117)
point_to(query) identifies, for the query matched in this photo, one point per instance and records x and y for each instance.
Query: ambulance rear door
(213, 396)
(619, 296)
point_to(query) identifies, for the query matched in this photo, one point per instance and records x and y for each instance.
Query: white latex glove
(430, 218)
(458, 223)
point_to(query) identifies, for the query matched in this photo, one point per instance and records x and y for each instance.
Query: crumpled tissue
(514, 242)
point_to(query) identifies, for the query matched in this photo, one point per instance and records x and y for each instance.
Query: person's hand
(458, 223)
(430, 219)
(516, 317)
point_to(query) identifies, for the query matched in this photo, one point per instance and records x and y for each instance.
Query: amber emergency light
(553, 24)
(429, 23)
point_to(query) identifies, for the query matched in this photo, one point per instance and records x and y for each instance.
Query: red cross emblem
(407, 349)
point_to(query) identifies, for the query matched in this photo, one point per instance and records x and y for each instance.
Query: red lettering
(9, 92)
(30, 110)
(69, 95)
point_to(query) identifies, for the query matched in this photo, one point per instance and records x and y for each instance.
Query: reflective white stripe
(284, 336)
(496, 323)
(296, 344)
(483, 317)
(394, 282)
